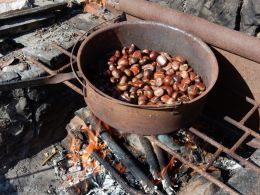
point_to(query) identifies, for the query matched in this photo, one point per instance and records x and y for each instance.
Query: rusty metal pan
(146, 120)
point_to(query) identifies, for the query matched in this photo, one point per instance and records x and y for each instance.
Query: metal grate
(220, 148)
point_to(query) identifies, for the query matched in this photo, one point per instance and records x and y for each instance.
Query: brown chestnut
(162, 60)
(137, 54)
(123, 80)
(158, 82)
(153, 55)
(135, 69)
(132, 49)
(175, 65)
(179, 58)
(142, 100)
(125, 51)
(159, 74)
(184, 67)
(169, 90)
(200, 86)
(133, 60)
(158, 92)
(116, 73)
(165, 98)
(128, 72)
(123, 87)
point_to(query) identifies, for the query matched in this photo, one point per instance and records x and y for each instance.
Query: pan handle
(47, 80)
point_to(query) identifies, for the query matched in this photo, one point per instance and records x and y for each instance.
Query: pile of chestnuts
(148, 77)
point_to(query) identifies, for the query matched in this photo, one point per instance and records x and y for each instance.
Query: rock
(246, 181)
(255, 157)
(222, 12)
(17, 93)
(33, 72)
(200, 186)
(166, 139)
(250, 16)
(134, 141)
(9, 5)
(15, 68)
(38, 44)
(4, 123)
(16, 129)
(41, 110)
(8, 76)
(36, 95)
(21, 106)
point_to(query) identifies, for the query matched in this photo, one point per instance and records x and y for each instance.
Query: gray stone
(250, 16)
(33, 72)
(200, 186)
(168, 140)
(246, 181)
(10, 5)
(8, 76)
(41, 110)
(255, 157)
(17, 93)
(37, 95)
(4, 123)
(16, 129)
(15, 68)
(21, 105)
(222, 12)
(134, 141)
(39, 43)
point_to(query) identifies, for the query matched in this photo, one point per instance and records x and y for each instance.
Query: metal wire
(85, 34)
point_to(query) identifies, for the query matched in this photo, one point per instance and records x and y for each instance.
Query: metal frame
(220, 148)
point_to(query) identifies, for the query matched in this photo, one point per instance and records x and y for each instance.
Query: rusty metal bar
(251, 101)
(195, 168)
(249, 114)
(242, 127)
(215, 156)
(51, 72)
(217, 35)
(226, 150)
(66, 66)
(64, 51)
(39, 81)
(239, 142)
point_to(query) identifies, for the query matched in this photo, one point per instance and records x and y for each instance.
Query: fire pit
(216, 153)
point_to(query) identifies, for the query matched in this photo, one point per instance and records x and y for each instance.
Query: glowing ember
(120, 167)
(101, 3)
(167, 167)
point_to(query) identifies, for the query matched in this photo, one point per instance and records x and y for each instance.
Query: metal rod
(249, 114)
(217, 35)
(64, 51)
(195, 168)
(215, 156)
(251, 101)
(242, 127)
(66, 66)
(226, 150)
(39, 64)
(39, 81)
(239, 142)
